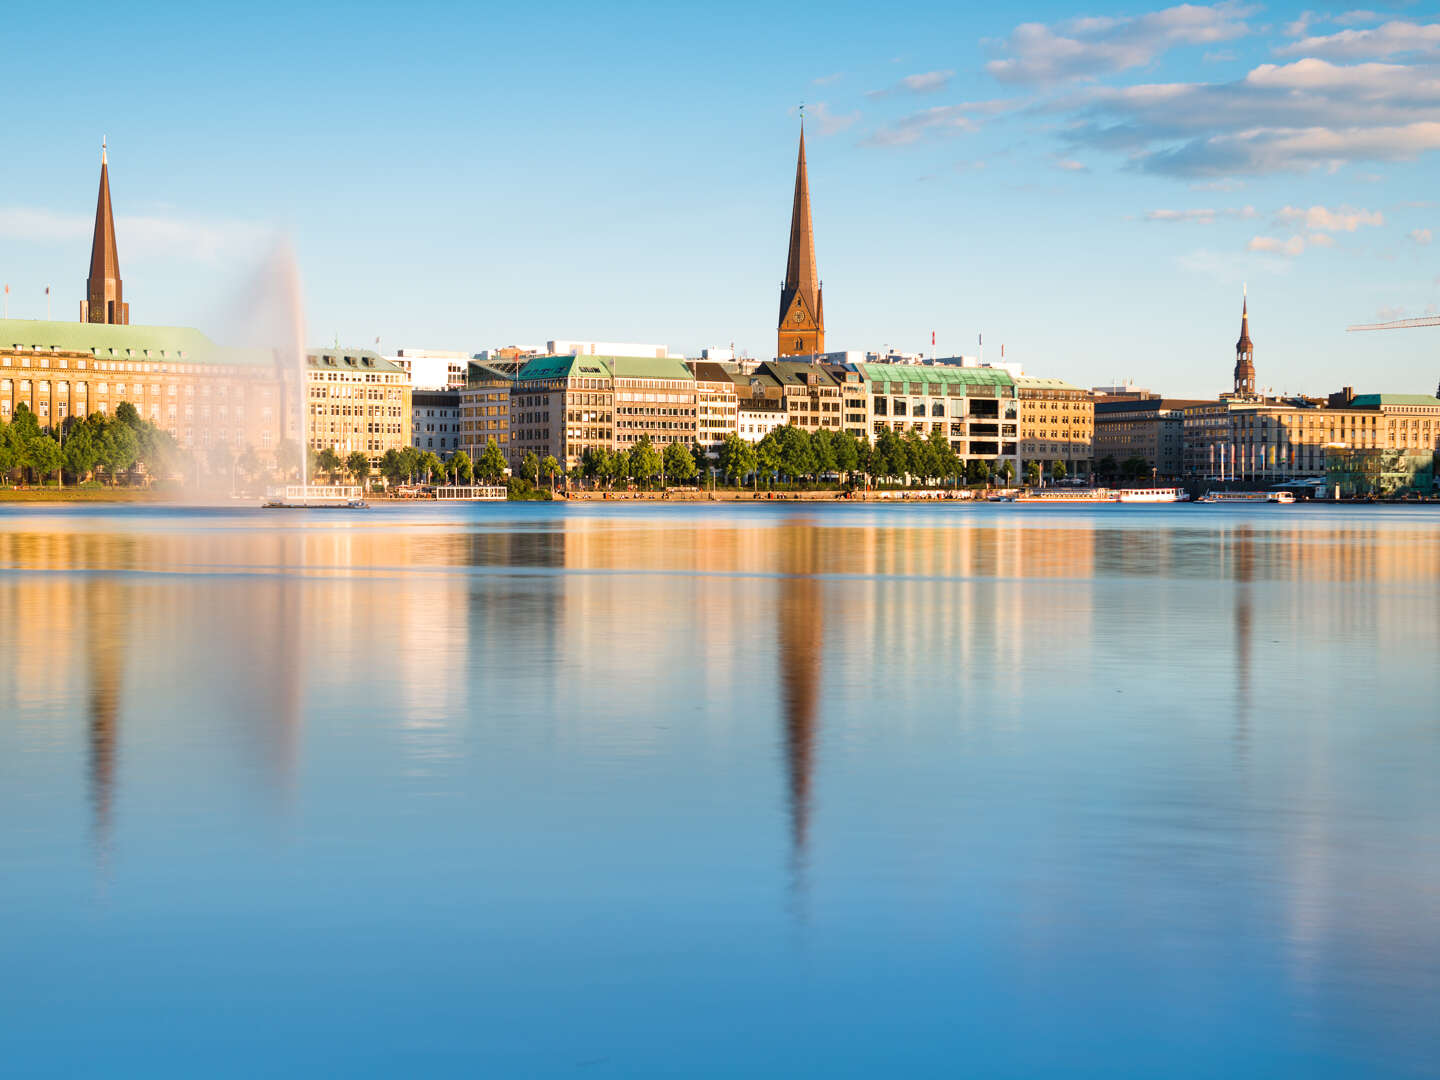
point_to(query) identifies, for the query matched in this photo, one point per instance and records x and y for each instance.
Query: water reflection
(799, 653)
(105, 638)
(563, 762)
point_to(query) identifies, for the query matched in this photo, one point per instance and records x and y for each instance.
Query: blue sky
(1090, 184)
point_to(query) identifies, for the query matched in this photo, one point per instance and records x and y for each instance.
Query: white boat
(1247, 498)
(1153, 495)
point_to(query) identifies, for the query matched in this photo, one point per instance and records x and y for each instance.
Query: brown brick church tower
(105, 299)
(802, 308)
(1245, 354)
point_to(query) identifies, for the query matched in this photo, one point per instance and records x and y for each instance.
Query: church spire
(104, 292)
(1245, 352)
(802, 316)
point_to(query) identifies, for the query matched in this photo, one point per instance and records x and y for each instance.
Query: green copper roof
(648, 367)
(164, 343)
(1371, 401)
(561, 367)
(945, 374)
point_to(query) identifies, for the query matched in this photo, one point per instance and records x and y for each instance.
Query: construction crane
(1398, 324)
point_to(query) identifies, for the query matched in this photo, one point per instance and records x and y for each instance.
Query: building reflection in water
(105, 655)
(799, 649)
(1243, 547)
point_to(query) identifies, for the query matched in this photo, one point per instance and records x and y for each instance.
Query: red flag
(932, 339)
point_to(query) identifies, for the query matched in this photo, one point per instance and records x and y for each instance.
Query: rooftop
(1372, 401)
(946, 374)
(109, 341)
(351, 360)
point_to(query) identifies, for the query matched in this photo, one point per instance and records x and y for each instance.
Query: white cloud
(826, 80)
(1224, 56)
(1352, 18)
(1087, 47)
(1321, 239)
(1301, 26)
(1387, 314)
(1275, 246)
(1421, 236)
(1341, 219)
(928, 82)
(830, 123)
(1071, 165)
(1390, 39)
(941, 120)
(143, 238)
(1200, 217)
(1278, 118)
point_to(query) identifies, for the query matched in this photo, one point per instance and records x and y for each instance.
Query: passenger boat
(1153, 495)
(1106, 495)
(1247, 498)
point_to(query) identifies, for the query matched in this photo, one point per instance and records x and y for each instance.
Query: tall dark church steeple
(1245, 353)
(802, 308)
(104, 293)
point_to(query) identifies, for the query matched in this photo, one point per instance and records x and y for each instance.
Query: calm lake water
(709, 791)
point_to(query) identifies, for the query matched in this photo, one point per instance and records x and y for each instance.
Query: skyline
(1094, 265)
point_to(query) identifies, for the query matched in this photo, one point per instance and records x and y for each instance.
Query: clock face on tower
(797, 316)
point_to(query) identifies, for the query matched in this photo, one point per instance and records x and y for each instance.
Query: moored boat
(1247, 498)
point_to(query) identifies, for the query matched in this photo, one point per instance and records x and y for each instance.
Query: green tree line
(117, 449)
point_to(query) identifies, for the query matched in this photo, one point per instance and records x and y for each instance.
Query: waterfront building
(810, 396)
(801, 330)
(977, 409)
(206, 396)
(1150, 428)
(432, 369)
(436, 420)
(357, 400)
(654, 397)
(718, 400)
(104, 291)
(761, 406)
(854, 398)
(485, 410)
(1057, 421)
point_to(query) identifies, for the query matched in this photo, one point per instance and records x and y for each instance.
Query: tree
(530, 467)
(732, 457)
(846, 450)
(617, 467)
(392, 466)
(357, 464)
(81, 452)
(978, 471)
(549, 468)
(287, 456)
(796, 457)
(1007, 471)
(886, 459)
(463, 467)
(767, 457)
(1058, 470)
(413, 461)
(1135, 468)
(491, 466)
(644, 461)
(328, 462)
(430, 466)
(1032, 473)
(1107, 466)
(822, 450)
(942, 455)
(44, 455)
(679, 464)
(127, 414)
(119, 450)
